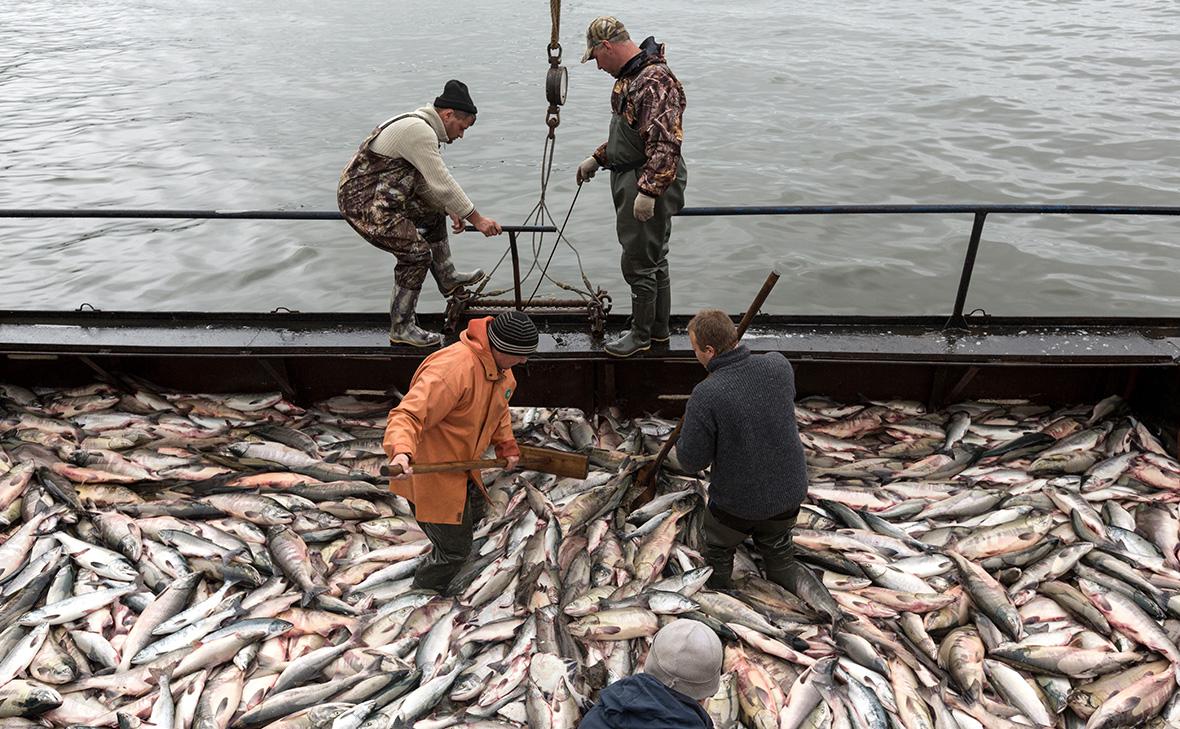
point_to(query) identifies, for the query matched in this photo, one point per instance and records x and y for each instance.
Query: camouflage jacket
(651, 100)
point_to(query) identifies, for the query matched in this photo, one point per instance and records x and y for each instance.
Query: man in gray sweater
(397, 193)
(741, 421)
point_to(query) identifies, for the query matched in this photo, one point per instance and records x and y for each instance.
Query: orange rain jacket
(456, 406)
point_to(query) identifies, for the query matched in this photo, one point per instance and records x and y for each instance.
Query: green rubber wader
(645, 245)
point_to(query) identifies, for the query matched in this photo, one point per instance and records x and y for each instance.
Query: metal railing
(511, 230)
(956, 320)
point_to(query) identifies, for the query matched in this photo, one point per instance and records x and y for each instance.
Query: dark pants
(645, 245)
(450, 545)
(772, 540)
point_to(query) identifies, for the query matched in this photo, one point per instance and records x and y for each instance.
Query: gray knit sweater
(741, 420)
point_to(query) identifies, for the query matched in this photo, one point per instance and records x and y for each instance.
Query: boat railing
(955, 321)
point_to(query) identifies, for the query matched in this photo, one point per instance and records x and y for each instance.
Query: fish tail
(312, 594)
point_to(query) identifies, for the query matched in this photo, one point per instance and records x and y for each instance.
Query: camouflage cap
(603, 28)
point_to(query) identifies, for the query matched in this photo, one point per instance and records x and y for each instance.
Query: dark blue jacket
(741, 421)
(642, 702)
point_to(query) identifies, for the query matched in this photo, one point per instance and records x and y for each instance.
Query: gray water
(246, 104)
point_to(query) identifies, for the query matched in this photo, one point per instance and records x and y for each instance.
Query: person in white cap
(683, 669)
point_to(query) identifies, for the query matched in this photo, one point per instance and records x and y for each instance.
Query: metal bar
(1154, 326)
(537, 303)
(686, 212)
(957, 321)
(929, 209)
(980, 211)
(515, 270)
(218, 215)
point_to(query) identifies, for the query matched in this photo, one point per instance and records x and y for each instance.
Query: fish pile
(175, 560)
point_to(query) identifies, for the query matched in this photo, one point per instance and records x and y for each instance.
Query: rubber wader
(645, 245)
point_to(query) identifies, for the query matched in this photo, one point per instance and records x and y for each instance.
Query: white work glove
(645, 207)
(587, 169)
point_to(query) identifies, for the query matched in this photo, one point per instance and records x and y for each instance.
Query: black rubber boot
(443, 269)
(719, 581)
(660, 331)
(639, 338)
(403, 325)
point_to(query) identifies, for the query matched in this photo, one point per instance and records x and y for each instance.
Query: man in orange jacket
(457, 406)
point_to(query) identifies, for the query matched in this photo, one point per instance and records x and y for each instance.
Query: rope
(555, 17)
(539, 213)
(542, 211)
(560, 237)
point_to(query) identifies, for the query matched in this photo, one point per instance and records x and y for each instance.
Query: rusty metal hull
(315, 355)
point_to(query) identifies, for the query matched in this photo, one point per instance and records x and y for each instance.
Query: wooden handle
(532, 458)
(756, 306)
(445, 466)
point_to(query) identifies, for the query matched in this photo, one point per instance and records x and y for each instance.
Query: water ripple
(150, 104)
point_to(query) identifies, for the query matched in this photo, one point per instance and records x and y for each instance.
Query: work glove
(645, 207)
(587, 169)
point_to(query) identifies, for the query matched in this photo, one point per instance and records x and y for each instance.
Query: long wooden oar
(545, 460)
(647, 479)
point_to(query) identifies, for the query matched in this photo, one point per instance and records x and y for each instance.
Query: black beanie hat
(455, 96)
(513, 332)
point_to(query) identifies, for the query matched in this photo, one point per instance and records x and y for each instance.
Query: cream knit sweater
(418, 139)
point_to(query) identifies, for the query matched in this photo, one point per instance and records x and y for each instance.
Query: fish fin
(312, 594)
(227, 558)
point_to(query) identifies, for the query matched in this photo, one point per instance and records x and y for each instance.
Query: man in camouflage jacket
(648, 175)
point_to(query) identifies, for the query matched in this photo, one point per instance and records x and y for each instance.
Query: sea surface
(247, 104)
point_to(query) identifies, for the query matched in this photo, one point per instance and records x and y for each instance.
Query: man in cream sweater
(397, 193)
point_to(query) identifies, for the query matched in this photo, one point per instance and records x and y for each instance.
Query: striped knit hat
(513, 332)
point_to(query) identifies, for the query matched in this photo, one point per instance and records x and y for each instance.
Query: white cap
(686, 655)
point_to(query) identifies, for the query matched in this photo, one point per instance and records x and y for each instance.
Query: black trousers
(772, 540)
(450, 545)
